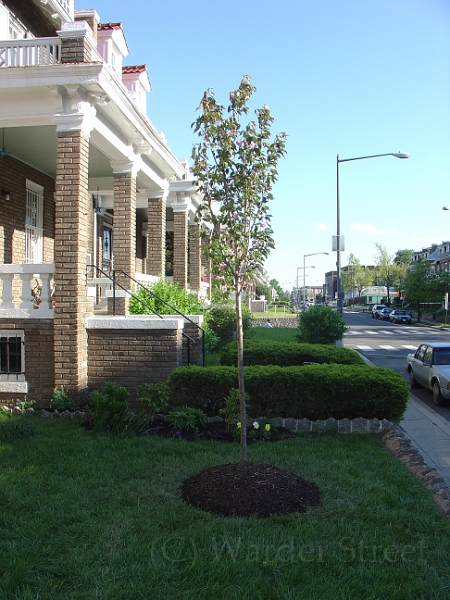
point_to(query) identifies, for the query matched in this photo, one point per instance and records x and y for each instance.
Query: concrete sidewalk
(430, 434)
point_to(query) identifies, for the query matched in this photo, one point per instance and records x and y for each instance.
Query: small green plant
(61, 400)
(13, 431)
(186, 418)
(109, 411)
(260, 431)
(26, 403)
(155, 397)
(231, 411)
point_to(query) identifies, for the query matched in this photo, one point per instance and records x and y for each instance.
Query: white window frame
(9, 381)
(16, 30)
(34, 224)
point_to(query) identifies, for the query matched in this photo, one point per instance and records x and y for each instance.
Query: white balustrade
(19, 297)
(30, 52)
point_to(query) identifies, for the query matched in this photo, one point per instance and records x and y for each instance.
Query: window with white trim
(34, 220)
(12, 356)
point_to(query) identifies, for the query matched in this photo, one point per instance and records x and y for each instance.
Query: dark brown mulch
(257, 489)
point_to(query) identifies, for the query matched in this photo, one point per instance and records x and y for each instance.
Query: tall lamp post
(338, 243)
(304, 269)
(298, 269)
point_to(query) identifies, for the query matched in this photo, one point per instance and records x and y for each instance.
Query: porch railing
(30, 52)
(26, 290)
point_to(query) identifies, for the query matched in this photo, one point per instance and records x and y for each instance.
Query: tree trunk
(240, 366)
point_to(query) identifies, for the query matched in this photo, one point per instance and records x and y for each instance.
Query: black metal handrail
(115, 283)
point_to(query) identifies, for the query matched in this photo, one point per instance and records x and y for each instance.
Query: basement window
(11, 352)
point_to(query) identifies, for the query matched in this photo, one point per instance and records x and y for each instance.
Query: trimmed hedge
(288, 354)
(311, 391)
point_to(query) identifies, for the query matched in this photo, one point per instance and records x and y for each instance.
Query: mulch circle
(257, 489)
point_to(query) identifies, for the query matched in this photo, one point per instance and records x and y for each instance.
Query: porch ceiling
(36, 146)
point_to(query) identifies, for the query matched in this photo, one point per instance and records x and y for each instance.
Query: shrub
(186, 418)
(211, 341)
(222, 321)
(108, 411)
(61, 400)
(286, 354)
(155, 397)
(26, 403)
(232, 410)
(321, 325)
(169, 292)
(311, 391)
(208, 385)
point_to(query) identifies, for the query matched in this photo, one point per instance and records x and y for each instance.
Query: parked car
(429, 366)
(384, 313)
(375, 310)
(399, 316)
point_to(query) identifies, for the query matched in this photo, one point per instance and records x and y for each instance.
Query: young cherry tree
(235, 165)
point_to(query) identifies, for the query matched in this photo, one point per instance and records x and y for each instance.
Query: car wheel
(412, 380)
(437, 396)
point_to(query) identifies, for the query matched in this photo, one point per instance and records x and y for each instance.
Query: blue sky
(347, 77)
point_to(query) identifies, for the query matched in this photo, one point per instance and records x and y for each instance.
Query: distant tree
(235, 166)
(264, 290)
(282, 295)
(404, 257)
(386, 270)
(356, 277)
(403, 260)
(423, 286)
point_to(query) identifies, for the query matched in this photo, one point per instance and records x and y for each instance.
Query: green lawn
(276, 334)
(90, 516)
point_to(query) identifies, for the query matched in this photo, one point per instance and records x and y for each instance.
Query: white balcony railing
(26, 291)
(30, 52)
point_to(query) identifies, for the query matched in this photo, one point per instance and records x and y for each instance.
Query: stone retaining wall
(288, 322)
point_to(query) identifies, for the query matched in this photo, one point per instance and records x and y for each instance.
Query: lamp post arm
(396, 154)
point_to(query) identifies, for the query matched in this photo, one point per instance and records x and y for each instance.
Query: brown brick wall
(39, 369)
(125, 226)
(76, 50)
(73, 212)
(141, 249)
(33, 19)
(156, 241)
(132, 357)
(13, 176)
(194, 257)
(180, 248)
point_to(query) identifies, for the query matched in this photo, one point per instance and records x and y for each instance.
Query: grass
(89, 516)
(275, 334)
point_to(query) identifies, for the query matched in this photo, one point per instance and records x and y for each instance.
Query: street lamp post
(298, 269)
(304, 269)
(338, 245)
